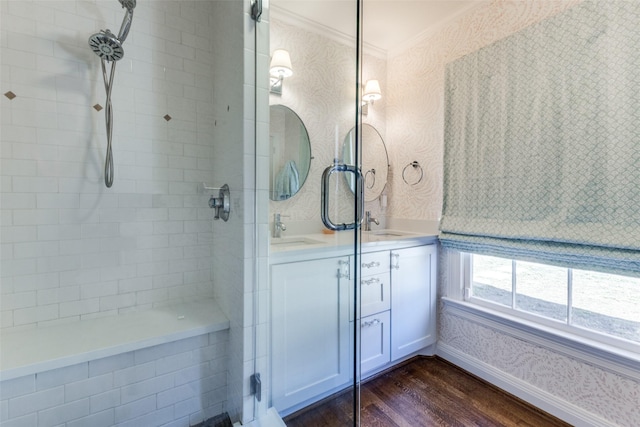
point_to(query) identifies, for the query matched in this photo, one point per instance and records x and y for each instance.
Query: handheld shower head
(126, 21)
(106, 45)
(128, 4)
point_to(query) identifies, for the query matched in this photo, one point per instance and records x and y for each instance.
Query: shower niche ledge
(29, 351)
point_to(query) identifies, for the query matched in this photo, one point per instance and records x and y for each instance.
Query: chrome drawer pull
(371, 264)
(370, 323)
(370, 281)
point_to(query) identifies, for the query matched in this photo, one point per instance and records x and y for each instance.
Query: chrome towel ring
(415, 165)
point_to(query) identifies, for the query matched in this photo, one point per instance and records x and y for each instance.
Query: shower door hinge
(256, 386)
(256, 10)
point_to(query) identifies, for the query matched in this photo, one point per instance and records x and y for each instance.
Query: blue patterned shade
(542, 142)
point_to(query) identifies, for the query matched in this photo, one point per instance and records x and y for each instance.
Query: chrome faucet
(278, 225)
(368, 219)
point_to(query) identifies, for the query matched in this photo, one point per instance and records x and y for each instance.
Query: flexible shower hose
(108, 115)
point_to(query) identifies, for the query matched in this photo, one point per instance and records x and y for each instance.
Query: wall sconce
(279, 68)
(370, 94)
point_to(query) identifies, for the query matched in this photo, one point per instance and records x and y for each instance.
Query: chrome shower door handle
(324, 195)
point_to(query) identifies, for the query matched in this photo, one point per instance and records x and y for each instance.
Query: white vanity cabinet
(310, 329)
(413, 299)
(313, 315)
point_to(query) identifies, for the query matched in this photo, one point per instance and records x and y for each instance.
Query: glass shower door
(315, 208)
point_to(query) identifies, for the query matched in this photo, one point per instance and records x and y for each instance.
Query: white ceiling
(388, 24)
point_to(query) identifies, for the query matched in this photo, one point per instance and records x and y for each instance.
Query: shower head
(106, 45)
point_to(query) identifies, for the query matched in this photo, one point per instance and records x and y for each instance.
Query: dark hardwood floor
(426, 391)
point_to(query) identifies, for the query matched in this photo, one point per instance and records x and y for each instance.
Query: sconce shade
(280, 64)
(372, 91)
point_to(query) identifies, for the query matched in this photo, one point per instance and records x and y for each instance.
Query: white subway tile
(37, 401)
(152, 214)
(61, 201)
(87, 387)
(105, 401)
(110, 364)
(100, 259)
(58, 295)
(168, 227)
(154, 418)
(134, 285)
(18, 167)
(29, 420)
(61, 376)
(29, 43)
(59, 232)
(63, 413)
(6, 251)
(18, 233)
(142, 389)
(58, 263)
(99, 230)
(134, 374)
(35, 282)
(17, 387)
(178, 394)
(100, 419)
(152, 268)
(19, 58)
(18, 300)
(96, 290)
(116, 302)
(35, 216)
(35, 249)
(18, 267)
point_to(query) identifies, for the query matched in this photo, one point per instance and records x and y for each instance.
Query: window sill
(620, 361)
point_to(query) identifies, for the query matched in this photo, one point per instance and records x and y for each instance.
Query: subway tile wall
(71, 248)
(181, 383)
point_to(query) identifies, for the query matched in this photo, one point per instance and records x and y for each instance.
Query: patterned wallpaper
(599, 391)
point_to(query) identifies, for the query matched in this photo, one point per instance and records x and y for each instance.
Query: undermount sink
(377, 235)
(293, 241)
(387, 233)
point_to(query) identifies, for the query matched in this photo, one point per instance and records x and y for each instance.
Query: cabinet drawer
(375, 293)
(375, 341)
(374, 263)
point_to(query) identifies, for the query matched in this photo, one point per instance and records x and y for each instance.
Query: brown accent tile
(167, 117)
(10, 95)
(97, 107)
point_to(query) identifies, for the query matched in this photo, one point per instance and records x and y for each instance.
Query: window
(599, 306)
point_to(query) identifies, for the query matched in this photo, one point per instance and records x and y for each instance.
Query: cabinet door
(413, 297)
(375, 342)
(310, 330)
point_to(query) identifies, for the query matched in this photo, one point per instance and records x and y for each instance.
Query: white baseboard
(555, 406)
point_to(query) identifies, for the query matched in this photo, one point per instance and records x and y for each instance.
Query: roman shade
(542, 143)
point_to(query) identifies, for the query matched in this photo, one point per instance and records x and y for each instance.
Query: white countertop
(305, 246)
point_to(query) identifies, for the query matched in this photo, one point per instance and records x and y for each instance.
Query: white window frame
(607, 347)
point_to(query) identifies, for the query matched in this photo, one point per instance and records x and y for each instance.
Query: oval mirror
(290, 153)
(375, 161)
